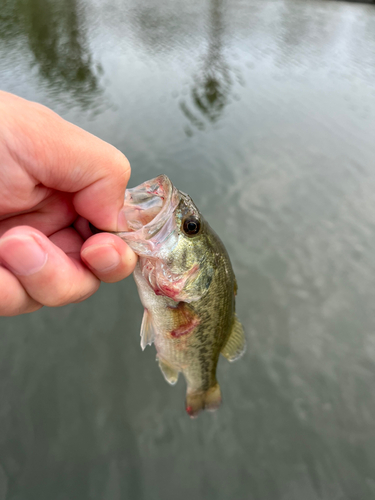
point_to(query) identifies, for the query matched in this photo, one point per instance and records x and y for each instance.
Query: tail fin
(198, 400)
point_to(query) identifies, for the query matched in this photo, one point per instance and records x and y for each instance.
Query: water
(264, 112)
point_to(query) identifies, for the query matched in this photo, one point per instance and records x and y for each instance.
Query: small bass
(187, 287)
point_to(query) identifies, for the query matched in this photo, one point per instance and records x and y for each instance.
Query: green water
(264, 112)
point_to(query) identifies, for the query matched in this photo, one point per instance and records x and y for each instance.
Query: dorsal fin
(147, 330)
(236, 343)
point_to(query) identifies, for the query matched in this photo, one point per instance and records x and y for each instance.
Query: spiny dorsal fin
(236, 343)
(170, 373)
(147, 330)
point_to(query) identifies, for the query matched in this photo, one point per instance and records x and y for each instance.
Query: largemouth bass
(187, 287)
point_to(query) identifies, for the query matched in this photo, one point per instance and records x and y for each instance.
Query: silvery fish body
(187, 287)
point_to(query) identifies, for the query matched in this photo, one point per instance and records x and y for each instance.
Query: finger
(14, 299)
(62, 156)
(108, 257)
(49, 216)
(46, 272)
(69, 241)
(81, 225)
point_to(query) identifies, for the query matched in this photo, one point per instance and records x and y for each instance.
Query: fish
(187, 287)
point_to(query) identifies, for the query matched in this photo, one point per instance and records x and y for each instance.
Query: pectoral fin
(236, 343)
(170, 373)
(147, 330)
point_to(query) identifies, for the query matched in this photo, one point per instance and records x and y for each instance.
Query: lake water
(264, 112)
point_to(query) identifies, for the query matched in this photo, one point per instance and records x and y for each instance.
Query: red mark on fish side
(186, 319)
(184, 329)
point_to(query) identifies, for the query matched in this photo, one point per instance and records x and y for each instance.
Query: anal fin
(170, 373)
(236, 343)
(147, 330)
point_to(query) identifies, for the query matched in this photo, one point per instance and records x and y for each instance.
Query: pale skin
(54, 178)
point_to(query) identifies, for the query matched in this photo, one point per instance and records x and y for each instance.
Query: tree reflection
(57, 40)
(210, 92)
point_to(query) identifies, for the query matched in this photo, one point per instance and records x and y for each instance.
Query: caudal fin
(198, 400)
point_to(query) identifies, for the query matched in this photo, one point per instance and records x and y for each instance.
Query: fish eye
(191, 226)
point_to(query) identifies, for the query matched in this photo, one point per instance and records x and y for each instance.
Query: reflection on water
(56, 37)
(212, 85)
(287, 180)
(156, 27)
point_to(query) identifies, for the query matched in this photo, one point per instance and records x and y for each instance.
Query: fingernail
(101, 258)
(122, 224)
(22, 255)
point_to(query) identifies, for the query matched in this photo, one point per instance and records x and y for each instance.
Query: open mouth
(148, 209)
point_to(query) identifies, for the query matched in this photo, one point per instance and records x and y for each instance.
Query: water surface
(264, 112)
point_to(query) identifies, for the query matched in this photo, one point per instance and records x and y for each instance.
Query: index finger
(62, 156)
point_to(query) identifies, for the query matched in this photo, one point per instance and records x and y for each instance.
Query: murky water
(264, 112)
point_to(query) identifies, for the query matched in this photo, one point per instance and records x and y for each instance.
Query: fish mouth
(148, 209)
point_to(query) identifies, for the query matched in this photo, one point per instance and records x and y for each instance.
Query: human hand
(54, 175)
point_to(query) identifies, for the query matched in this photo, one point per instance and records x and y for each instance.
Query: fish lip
(171, 198)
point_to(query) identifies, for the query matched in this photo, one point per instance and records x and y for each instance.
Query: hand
(54, 178)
